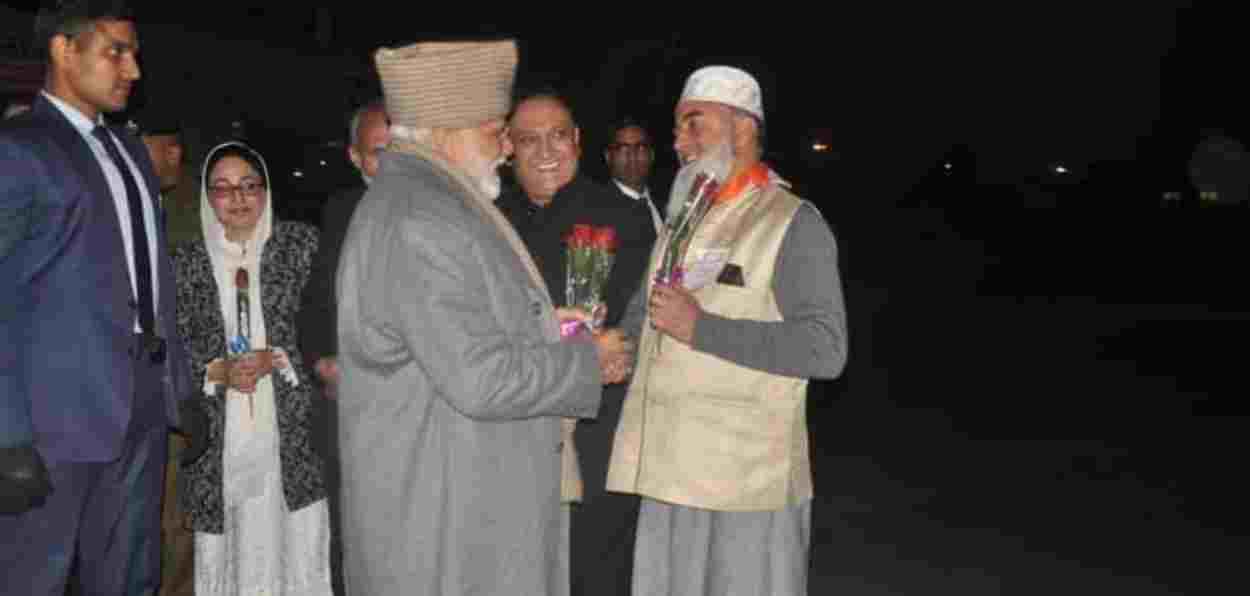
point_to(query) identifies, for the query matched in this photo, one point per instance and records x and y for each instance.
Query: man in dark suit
(552, 197)
(368, 135)
(93, 373)
(630, 156)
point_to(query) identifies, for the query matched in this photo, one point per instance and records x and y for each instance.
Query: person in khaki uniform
(713, 433)
(161, 132)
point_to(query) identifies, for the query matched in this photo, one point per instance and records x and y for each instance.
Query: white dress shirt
(84, 127)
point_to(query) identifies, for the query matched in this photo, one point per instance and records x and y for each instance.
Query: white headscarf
(228, 256)
(251, 440)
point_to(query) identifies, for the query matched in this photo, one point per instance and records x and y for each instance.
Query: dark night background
(1045, 389)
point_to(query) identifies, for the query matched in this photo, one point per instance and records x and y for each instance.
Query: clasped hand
(614, 348)
(243, 372)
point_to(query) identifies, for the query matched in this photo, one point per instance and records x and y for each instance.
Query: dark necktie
(138, 233)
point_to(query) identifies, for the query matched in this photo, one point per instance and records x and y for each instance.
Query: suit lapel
(98, 198)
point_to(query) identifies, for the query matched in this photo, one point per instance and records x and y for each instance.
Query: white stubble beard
(718, 161)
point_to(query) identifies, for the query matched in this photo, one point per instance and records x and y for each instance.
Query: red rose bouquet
(589, 254)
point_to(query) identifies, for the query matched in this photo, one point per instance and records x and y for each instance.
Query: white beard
(490, 182)
(718, 162)
(492, 185)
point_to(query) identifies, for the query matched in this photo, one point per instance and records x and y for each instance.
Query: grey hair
(759, 127)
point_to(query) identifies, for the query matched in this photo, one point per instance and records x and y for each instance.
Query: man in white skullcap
(454, 378)
(714, 434)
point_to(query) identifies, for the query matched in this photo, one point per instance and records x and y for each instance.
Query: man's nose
(546, 148)
(130, 69)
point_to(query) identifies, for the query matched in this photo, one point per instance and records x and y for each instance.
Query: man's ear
(59, 49)
(172, 154)
(746, 130)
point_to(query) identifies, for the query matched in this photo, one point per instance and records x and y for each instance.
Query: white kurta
(265, 550)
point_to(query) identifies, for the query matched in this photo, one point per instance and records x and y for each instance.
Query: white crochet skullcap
(726, 85)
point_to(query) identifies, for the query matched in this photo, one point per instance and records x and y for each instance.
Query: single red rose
(605, 238)
(582, 236)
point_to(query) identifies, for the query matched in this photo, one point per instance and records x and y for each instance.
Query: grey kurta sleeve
(636, 311)
(477, 365)
(810, 342)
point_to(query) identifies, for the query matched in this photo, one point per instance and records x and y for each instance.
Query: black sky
(1021, 83)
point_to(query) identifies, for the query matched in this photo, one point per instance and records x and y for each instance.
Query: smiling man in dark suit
(93, 374)
(552, 197)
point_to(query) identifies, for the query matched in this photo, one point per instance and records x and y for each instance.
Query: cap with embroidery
(726, 85)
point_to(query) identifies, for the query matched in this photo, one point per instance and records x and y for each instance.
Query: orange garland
(756, 175)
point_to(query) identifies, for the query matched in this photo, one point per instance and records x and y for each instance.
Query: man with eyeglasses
(94, 373)
(368, 134)
(630, 156)
(552, 197)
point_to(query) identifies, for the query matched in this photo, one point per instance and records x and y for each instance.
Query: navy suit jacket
(67, 365)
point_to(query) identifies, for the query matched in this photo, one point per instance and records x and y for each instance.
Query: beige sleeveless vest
(700, 431)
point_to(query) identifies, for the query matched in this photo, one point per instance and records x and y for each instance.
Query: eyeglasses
(561, 138)
(249, 188)
(629, 147)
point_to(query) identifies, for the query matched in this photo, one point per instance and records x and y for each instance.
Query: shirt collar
(629, 192)
(75, 117)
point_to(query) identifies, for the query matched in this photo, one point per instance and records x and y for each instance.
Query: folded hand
(245, 370)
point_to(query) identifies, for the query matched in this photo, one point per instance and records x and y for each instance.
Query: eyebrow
(225, 180)
(692, 114)
(541, 131)
(121, 45)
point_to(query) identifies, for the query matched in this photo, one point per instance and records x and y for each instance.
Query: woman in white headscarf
(256, 498)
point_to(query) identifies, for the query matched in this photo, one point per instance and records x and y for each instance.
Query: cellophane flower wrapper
(589, 255)
(680, 229)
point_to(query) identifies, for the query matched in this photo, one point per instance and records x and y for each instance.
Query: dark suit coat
(318, 316)
(544, 230)
(67, 366)
(284, 267)
(584, 201)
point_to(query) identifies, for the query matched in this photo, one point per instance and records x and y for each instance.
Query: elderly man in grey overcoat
(454, 374)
